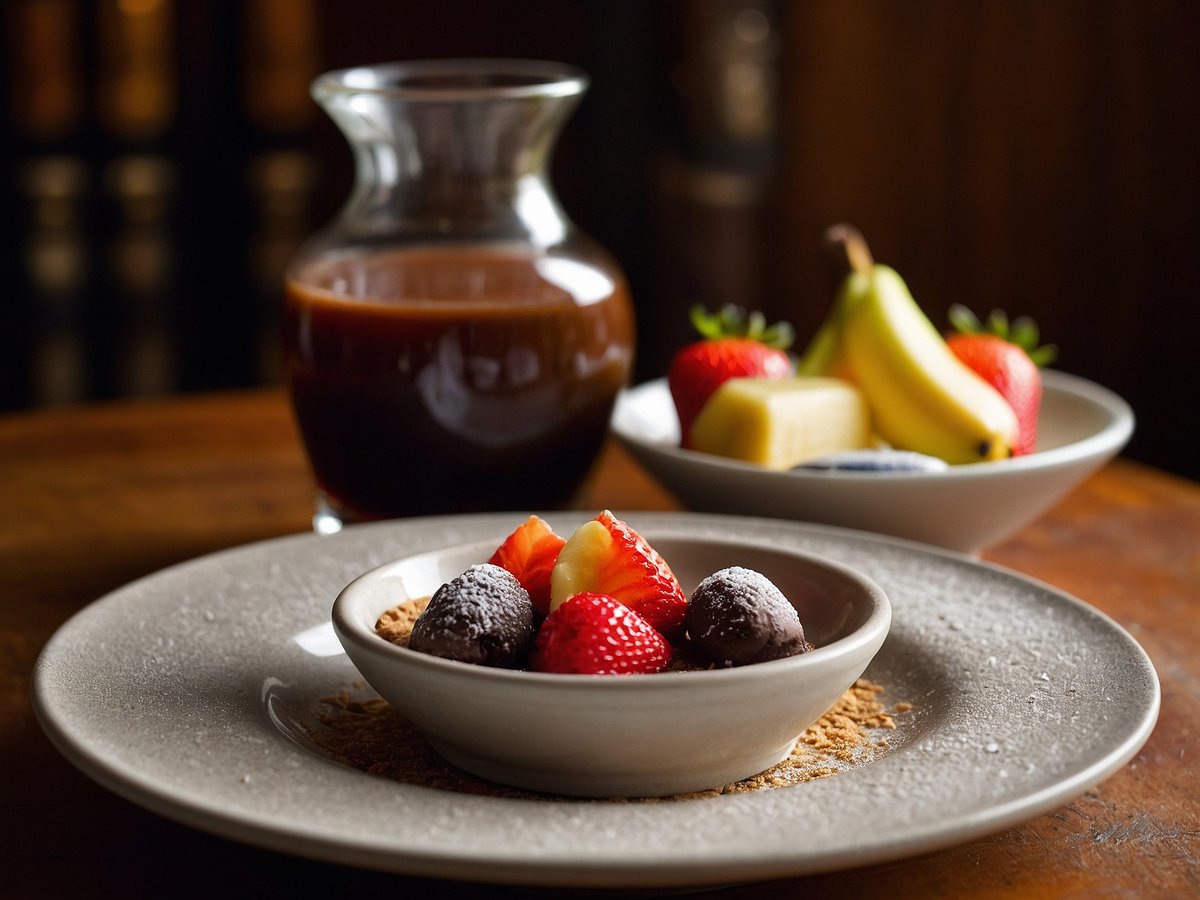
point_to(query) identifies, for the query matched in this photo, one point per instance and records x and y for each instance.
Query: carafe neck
(453, 150)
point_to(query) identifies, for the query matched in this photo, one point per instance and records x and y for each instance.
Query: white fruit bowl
(622, 735)
(966, 508)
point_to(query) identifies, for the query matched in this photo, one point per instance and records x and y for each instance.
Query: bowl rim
(348, 625)
(1108, 439)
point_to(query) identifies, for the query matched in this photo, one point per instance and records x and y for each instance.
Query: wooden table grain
(97, 496)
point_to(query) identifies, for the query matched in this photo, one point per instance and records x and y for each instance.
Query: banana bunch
(921, 397)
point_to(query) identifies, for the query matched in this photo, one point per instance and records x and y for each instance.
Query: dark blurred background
(162, 160)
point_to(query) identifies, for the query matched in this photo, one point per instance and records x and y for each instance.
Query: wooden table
(95, 497)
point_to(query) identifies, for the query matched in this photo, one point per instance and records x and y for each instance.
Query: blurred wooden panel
(1037, 157)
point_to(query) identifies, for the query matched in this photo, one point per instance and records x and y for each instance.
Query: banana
(825, 354)
(921, 396)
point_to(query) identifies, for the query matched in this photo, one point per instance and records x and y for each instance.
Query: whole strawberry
(593, 634)
(1007, 357)
(733, 346)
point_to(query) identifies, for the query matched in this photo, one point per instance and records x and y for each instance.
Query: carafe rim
(454, 80)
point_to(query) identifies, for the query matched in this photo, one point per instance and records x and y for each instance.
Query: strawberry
(1008, 358)
(606, 556)
(529, 553)
(733, 346)
(592, 634)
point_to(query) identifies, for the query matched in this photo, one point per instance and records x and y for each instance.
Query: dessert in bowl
(655, 734)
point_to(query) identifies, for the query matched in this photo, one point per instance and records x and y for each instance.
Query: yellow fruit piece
(922, 396)
(780, 423)
(826, 353)
(578, 562)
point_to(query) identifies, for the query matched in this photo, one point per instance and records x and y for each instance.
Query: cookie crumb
(396, 624)
(368, 734)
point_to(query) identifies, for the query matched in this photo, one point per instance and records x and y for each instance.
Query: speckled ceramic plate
(183, 691)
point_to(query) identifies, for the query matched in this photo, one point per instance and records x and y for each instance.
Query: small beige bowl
(627, 735)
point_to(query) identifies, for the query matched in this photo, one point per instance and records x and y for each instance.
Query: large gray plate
(181, 692)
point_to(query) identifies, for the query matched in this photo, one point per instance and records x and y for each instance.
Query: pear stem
(849, 248)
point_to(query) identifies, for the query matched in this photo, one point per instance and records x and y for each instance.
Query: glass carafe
(452, 342)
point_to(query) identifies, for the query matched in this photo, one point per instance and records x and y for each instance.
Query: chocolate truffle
(737, 617)
(483, 616)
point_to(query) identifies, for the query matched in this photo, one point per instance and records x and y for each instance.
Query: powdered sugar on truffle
(737, 617)
(483, 616)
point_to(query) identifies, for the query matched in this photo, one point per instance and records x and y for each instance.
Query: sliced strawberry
(606, 556)
(592, 634)
(529, 553)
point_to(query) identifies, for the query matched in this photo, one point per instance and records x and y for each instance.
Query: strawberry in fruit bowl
(1007, 357)
(733, 345)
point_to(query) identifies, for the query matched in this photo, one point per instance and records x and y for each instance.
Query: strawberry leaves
(1023, 331)
(733, 321)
